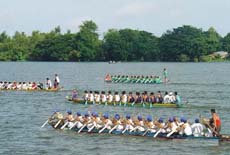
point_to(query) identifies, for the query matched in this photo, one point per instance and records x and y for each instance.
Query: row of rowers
(132, 78)
(130, 124)
(27, 85)
(144, 97)
(21, 85)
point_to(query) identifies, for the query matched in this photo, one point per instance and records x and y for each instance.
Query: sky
(155, 16)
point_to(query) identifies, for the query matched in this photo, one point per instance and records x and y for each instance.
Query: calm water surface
(203, 85)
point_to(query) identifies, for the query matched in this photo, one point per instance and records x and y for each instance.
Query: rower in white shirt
(166, 98)
(1, 85)
(139, 124)
(117, 98)
(128, 124)
(57, 79)
(24, 86)
(103, 97)
(124, 98)
(9, 86)
(97, 97)
(185, 129)
(19, 86)
(118, 123)
(91, 96)
(172, 98)
(197, 128)
(109, 97)
(107, 123)
(48, 83)
(171, 126)
(78, 121)
(86, 96)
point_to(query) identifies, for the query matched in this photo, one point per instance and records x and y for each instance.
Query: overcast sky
(155, 16)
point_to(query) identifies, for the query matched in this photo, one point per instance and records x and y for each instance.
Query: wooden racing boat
(34, 90)
(222, 138)
(138, 105)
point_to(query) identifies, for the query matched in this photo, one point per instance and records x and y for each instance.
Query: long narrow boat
(34, 90)
(138, 105)
(223, 138)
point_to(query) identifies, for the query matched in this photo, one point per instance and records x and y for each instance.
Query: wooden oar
(113, 128)
(81, 128)
(213, 130)
(159, 131)
(170, 133)
(64, 125)
(103, 129)
(45, 123)
(73, 125)
(147, 130)
(134, 128)
(91, 128)
(125, 130)
(56, 125)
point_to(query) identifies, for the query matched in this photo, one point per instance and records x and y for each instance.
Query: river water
(202, 85)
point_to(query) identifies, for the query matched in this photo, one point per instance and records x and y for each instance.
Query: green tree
(226, 43)
(213, 40)
(186, 40)
(87, 41)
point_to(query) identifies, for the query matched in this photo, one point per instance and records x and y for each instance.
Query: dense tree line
(184, 43)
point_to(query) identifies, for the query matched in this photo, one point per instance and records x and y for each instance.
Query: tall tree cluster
(185, 43)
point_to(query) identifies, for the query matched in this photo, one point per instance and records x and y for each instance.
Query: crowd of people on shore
(129, 123)
(138, 97)
(30, 85)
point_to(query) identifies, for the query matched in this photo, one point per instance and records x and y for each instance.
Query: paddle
(103, 128)
(113, 128)
(91, 128)
(159, 131)
(57, 124)
(125, 130)
(73, 125)
(170, 133)
(81, 128)
(45, 123)
(204, 122)
(134, 128)
(145, 132)
(64, 125)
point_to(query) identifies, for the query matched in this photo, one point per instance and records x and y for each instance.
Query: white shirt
(187, 130)
(57, 79)
(19, 86)
(117, 98)
(166, 99)
(97, 98)
(197, 129)
(1, 85)
(86, 96)
(91, 97)
(110, 98)
(172, 99)
(124, 98)
(49, 83)
(9, 86)
(103, 98)
(24, 86)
